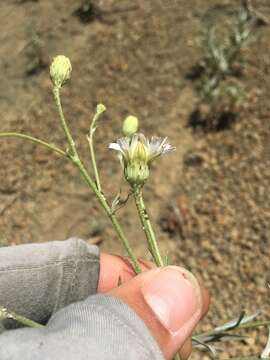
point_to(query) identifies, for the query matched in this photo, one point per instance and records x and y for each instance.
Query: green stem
(147, 227)
(74, 156)
(254, 324)
(92, 151)
(248, 358)
(5, 314)
(111, 216)
(250, 325)
(34, 140)
(56, 93)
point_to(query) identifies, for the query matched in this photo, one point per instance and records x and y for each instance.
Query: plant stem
(249, 325)
(248, 358)
(5, 314)
(74, 156)
(254, 324)
(149, 232)
(56, 93)
(147, 227)
(111, 216)
(92, 151)
(34, 140)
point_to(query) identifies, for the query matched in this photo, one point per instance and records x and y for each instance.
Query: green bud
(100, 109)
(60, 70)
(136, 173)
(130, 126)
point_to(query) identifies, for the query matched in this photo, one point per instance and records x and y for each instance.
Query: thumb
(170, 302)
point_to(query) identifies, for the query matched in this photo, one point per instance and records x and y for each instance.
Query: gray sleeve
(38, 279)
(97, 328)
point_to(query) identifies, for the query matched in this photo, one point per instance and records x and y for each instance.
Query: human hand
(169, 300)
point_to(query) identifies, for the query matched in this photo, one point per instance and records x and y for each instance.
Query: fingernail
(174, 296)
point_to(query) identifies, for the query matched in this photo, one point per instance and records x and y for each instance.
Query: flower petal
(115, 146)
(142, 147)
(168, 148)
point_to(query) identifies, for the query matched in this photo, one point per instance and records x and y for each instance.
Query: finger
(186, 349)
(170, 302)
(116, 269)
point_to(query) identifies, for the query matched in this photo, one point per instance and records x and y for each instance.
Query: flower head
(60, 70)
(137, 154)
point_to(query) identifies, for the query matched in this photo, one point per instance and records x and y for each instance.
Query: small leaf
(210, 348)
(266, 352)
(116, 201)
(235, 322)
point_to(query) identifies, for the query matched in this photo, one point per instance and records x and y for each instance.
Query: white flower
(141, 147)
(137, 154)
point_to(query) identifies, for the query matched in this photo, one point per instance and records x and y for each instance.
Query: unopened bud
(60, 70)
(130, 126)
(100, 109)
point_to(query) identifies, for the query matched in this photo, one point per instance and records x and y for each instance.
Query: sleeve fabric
(54, 284)
(36, 280)
(98, 328)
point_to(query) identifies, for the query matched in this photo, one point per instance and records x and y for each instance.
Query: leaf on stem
(266, 351)
(118, 202)
(208, 347)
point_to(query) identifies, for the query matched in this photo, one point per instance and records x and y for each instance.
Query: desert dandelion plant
(137, 153)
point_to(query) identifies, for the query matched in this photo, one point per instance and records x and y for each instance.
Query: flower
(137, 153)
(60, 70)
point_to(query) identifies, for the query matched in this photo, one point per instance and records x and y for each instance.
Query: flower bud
(130, 126)
(60, 70)
(100, 109)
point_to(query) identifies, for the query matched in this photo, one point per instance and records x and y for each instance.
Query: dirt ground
(209, 199)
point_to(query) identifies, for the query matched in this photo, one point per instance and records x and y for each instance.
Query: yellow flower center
(140, 153)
